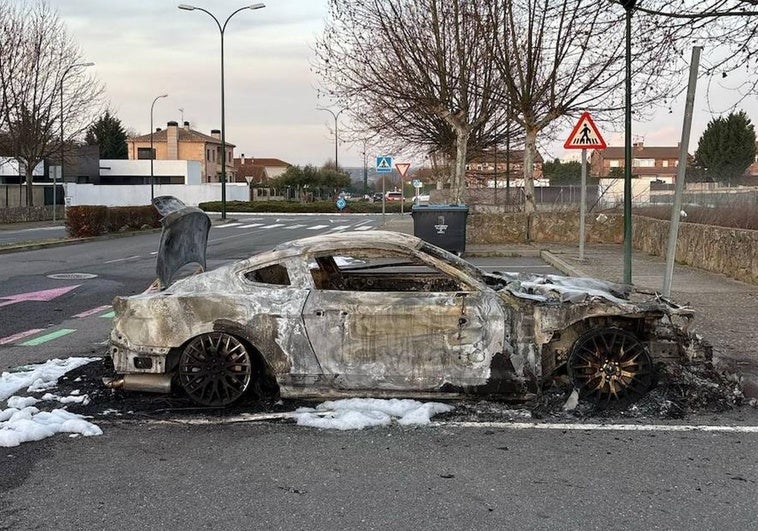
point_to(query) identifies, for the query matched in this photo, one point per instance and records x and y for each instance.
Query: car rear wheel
(215, 369)
(610, 364)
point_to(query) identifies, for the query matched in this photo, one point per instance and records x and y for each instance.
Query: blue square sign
(384, 164)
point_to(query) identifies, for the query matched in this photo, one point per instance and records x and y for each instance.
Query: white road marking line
(153, 253)
(93, 311)
(298, 226)
(363, 228)
(251, 225)
(20, 335)
(262, 417)
(601, 427)
(339, 228)
(227, 225)
(317, 227)
(122, 259)
(275, 225)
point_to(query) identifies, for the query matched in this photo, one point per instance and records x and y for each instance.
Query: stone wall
(732, 252)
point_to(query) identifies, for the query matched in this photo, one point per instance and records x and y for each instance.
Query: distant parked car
(377, 196)
(394, 196)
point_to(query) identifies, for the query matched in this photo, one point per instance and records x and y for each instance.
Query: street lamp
(336, 134)
(221, 29)
(629, 6)
(63, 153)
(152, 153)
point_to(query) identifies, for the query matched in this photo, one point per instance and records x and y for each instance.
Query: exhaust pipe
(147, 383)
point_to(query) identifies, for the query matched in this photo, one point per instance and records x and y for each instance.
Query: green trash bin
(441, 225)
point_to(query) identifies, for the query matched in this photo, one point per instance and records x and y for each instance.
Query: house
(482, 169)
(183, 143)
(259, 169)
(258, 172)
(647, 161)
(752, 170)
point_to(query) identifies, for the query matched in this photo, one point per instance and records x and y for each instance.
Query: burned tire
(215, 369)
(610, 364)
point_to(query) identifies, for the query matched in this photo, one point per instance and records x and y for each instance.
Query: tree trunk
(530, 150)
(29, 173)
(458, 186)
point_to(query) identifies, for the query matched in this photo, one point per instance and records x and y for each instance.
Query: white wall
(9, 167)
(190, 169)
(134, 195)
(611, 191)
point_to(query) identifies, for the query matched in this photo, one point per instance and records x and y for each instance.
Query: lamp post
(152, 153)
(221, 29)
(63, 153)
(336, 134)
(629, 7)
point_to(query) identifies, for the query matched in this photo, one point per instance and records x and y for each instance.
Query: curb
(562, 265)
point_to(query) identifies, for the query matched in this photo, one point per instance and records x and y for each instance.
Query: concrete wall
(190, 169)
(732, 252)
(115, 195)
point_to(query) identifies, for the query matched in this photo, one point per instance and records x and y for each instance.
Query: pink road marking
(44, 295)
(94, 311)
(20, 335)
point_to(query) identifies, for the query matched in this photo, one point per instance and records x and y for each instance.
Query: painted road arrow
(38, 296)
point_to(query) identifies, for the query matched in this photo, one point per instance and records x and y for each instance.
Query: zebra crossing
(294, 224)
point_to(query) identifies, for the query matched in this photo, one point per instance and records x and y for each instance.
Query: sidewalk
(727, 310)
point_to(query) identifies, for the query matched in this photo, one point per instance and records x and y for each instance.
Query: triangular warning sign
(383, 164)
(402, 168)
(585, 135)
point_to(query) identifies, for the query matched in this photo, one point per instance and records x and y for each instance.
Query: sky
(145, 48)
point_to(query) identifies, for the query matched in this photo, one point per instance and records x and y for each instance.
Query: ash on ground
(680, 391)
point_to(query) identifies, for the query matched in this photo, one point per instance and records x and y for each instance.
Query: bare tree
(559, 57)
(418, 72)
(36, 59)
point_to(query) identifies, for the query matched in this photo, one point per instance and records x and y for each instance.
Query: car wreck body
(386, 314)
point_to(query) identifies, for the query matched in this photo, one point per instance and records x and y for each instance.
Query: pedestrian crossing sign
(384, 164)
(585, 135)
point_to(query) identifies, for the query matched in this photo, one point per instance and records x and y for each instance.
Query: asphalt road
(281, 476)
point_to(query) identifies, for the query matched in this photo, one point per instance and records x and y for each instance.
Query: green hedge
(291, 207)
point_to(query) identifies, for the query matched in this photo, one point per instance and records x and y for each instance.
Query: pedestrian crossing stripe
(585, 135)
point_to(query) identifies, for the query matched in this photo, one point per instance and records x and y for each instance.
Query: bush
(121, 219)
(87, 220)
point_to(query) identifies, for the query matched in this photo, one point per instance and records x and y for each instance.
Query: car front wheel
(610, 364)
(215, 369)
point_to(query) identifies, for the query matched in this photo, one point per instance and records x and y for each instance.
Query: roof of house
(252, 161)
(183, 135)
(649, 152)
(258, 173)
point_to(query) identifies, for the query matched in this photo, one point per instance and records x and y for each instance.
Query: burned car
(380, 313)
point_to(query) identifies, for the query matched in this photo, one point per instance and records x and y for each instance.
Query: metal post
(629, 6)
(152, 149)
(336, 134)
(680, 172)
(583, 204)
(63, 153)
(223, 118)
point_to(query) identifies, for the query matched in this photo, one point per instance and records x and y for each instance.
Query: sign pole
(584, 135)
(583, 205)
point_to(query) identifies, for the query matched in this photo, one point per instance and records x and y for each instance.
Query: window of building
(665, 164)
(614, 163)
(643, 163)
(143, 153)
